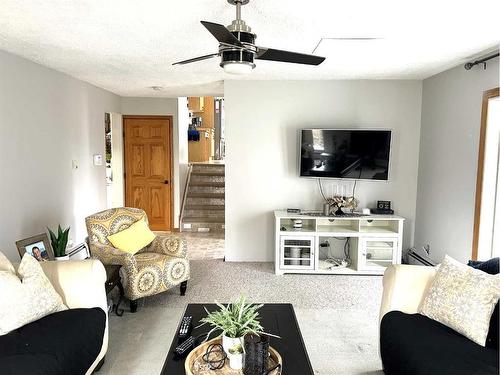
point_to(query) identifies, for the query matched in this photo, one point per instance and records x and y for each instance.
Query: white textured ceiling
(126, 46)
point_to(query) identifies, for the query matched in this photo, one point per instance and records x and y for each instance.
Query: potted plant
(59, 242)
(235, 321)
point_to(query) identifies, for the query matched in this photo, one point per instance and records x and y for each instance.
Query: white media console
(374, 242)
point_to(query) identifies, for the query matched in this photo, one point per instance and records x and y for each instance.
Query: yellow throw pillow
(134, 238)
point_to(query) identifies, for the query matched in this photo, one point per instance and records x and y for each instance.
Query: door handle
(165, 182)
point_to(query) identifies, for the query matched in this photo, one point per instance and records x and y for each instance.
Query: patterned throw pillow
(26, 296)
(492, 267)
(463, 299)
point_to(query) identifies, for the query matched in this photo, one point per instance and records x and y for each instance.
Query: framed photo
(37, 246)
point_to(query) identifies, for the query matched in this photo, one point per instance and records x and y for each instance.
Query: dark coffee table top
(278, 319)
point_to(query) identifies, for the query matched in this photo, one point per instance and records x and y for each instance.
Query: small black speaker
(384, 205)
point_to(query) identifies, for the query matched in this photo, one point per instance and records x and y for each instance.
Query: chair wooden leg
(184, 286)
(133, 306)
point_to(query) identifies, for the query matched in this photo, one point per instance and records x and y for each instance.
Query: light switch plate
(97, 159)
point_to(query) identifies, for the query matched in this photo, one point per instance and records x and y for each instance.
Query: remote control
(186, 327)
(185, 347)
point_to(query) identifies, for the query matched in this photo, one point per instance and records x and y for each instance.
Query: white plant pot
(65, 257)
(229, 342)
(235, 361)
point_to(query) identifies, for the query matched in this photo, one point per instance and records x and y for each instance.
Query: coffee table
(276, 318)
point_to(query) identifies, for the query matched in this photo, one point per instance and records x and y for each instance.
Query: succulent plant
(60, 241)
(234, 320)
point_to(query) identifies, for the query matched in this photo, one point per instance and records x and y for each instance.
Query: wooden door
(148, 167)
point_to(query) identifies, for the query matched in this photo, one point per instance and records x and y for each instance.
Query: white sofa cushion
(463, 299)
(26, 296)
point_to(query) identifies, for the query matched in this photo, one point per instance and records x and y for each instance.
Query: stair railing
(184, 197)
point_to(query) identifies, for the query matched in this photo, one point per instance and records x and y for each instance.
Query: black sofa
(64, 343)
(413, 344)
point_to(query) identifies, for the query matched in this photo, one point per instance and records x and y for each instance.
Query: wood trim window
(487, 95)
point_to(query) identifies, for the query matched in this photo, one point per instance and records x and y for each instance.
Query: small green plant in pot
(59, 242)
(235, 320)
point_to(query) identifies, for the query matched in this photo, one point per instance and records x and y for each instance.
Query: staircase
(204, 200)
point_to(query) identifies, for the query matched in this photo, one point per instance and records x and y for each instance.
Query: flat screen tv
(349, 154)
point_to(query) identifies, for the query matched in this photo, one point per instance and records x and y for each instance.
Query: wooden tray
(195, 357)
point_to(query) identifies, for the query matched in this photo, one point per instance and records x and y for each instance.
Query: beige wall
(48, 119)
(263, 119)
(451, 115)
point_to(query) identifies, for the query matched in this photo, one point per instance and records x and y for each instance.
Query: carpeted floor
(338, 316)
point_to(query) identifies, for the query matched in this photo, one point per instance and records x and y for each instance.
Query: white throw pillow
(463, 299)
(26, 296)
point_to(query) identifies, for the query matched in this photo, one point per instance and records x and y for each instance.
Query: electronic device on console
(383, 208)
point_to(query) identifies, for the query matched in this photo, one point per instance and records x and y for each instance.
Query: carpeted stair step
(207, 183)
(210, 207)
(208, 168)
(196, 201)
(205, 195)
(200, 178)
(207, 173)
(204, 213)
(206, 189)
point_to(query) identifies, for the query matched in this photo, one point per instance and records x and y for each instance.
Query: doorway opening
(486, 240)
(202, 218)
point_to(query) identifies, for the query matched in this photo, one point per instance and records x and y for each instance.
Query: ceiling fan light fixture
(237, 47)
(238, 67)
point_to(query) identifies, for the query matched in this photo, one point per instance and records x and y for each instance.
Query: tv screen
(350, 154)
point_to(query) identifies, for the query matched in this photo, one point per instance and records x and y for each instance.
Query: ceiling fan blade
(220, 33)
(194, 59)
(287, 56)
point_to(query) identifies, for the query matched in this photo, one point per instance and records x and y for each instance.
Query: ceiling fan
(238, 50)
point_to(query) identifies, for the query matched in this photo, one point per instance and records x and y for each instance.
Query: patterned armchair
(158, 267)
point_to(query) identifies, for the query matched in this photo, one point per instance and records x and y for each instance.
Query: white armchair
(81, 285)
(404, 287)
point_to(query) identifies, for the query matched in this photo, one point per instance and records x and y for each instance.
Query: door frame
(171, 157)
(487, 95)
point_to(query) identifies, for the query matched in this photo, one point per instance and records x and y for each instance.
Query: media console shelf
(374, 242)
